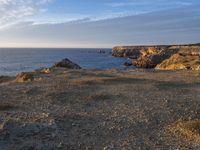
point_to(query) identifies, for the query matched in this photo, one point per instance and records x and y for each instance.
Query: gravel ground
(99, 109)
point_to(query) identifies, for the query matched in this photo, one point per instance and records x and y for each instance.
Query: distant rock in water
(66, 63)
(127, 64)
(162, 57)
(101, 51)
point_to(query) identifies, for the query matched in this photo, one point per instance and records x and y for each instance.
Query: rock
(66, 63)
(153, 58)
(43, 70)
(162, 57)
(196, 67)
(101, 51)
(126, 52)
(143, 62)
(181, 61)
(135, 52)
(127, 64)
(175, 67)
(24, 76)
(28, 76)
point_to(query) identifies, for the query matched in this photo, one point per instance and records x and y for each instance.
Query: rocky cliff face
(135, 52)
(162, 57)
(187, 57)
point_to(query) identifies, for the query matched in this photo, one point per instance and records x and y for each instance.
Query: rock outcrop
(66, 63)
(127, 64)
(135, 52)
(151, 60)
(27, 77)
(162, 57)
(186, 58)
(42, 73)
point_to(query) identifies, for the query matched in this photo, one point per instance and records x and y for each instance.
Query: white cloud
(149, 3)
(13, 11)
(179, 25)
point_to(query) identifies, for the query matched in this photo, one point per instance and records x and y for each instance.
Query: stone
(101, 51)
(196, 67)
(181, 61)
(154, 57)
(43, 70)
(170, 57)
(127, 64)
(28, 77)
(24, 76)
(135, 52)
(66, 63)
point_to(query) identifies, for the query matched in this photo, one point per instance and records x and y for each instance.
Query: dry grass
(6, 107)
(82, 82)
(94, 80)
(98, 97)
(5, 79)
(189, 130)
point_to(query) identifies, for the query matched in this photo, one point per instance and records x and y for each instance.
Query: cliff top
(97, 109)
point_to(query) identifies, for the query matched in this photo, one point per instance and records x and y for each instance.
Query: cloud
(180, 25)
(13, 11)
(166, 3)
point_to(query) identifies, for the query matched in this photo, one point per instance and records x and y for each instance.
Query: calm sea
(13, 61)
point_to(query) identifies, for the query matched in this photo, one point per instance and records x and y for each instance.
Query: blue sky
(98, 23)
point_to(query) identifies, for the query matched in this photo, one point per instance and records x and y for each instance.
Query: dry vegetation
(190, 130)
(101, 109)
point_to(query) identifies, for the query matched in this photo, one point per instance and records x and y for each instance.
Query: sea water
(15, 60)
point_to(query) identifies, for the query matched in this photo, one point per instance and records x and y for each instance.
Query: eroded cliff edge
(162, 56)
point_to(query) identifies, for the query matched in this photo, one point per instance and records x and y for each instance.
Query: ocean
(15, 60)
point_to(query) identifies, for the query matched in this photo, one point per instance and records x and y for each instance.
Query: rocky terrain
(61, 108)
(168, 57)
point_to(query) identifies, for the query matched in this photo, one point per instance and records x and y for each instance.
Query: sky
(98, 23)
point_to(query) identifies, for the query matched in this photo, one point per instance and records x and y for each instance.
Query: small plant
(5, 107)
(98, 96)
(188, 129)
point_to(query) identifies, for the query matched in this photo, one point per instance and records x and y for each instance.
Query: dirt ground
(99, 110)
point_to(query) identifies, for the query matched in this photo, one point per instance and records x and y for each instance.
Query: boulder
(66, 63)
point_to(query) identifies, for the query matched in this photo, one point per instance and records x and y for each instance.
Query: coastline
(164, 57)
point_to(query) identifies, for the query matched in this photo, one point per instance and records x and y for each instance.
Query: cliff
(135, 51)
(162, 56)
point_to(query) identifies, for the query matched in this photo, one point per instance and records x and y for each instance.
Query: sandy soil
(101, 110)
